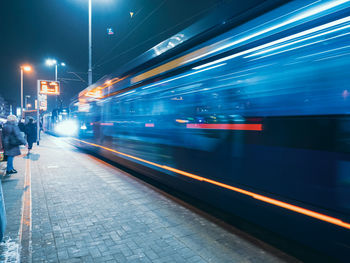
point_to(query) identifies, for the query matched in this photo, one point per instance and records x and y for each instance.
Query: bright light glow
(27, 68)
(63, 64)
(51, 62)
(66, 128)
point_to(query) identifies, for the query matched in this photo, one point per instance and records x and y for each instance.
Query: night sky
(34, 30)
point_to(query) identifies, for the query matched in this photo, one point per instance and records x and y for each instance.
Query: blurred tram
(254, 119)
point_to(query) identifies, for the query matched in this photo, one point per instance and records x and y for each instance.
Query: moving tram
(250, 115)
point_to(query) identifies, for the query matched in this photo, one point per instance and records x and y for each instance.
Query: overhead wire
(154, 37)
(132, 31)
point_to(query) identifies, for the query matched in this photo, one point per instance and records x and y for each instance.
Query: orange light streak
(262, 198)
(97, 92)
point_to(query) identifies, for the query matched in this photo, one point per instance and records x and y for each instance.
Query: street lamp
(53, 62)
(90, 47)
(25, 68)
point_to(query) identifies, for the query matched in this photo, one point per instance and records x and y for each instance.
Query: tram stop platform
(65, 205)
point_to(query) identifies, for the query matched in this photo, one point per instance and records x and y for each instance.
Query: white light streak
(305, 33)
(303, 15)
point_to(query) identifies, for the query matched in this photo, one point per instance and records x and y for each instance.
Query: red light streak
(262, 198)
(241, 127)
(106, 124)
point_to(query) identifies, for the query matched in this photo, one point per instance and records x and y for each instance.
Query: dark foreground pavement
(66, 206)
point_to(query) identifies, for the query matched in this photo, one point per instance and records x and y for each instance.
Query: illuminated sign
(43, 102)
(49, 87)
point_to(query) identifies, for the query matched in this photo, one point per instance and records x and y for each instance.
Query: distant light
(26, 68)
(108, 82)
(131, 14)
(110, 31)
(51, 62)
(63, 64)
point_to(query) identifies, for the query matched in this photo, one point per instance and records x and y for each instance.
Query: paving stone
(85, 210)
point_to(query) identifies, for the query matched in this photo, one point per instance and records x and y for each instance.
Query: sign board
(42, 102)
(49, 87)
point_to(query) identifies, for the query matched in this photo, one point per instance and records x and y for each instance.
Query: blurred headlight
(66, 128)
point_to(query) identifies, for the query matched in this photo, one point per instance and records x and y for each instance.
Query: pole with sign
(44, 88)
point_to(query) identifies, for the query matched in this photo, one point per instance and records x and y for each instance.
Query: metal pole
(90, 48)
(21, 92)
(37, 113)
(56, 80)
(56, 72)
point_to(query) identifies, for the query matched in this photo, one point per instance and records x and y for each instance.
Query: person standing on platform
(12, 139)
(21, 125)
(30, 131)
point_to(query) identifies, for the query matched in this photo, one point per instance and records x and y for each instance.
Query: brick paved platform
(84, 210)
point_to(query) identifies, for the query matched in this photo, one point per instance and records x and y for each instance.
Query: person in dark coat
(21, 125)
(12, 139)
(30, 131)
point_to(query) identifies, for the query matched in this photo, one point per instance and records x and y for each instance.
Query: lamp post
(25, 68)
(90, 47)
(53, 62)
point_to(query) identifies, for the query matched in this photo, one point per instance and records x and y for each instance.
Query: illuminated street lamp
(53, 62)
(25, 68)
